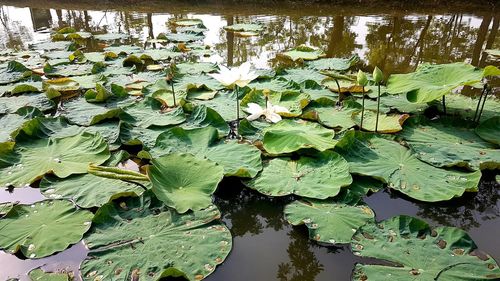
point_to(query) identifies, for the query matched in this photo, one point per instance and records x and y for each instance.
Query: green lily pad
(254, 27)
(186, 22)
(44, 228)
(131, 135)
(387, 160)
(328, 114)
(203, 116)
(320, 176)
(10, 125)
(338, 64)
(430, 82)
(183, 37)
(224, 102)
(301, 75)
(445, 143)
(40, 275)
(466, 107)
(184, 182)
(87, 190)
(304, 53)
(489, 130)
(276, 85)
(329, 221)
(290, 135)
(294, 101)
(83, 113)
(12, 72)
(141, 238)
(61, 156)
(387, 123)
(238, 159)
(148, 113)
(196, 67)
(419, 252)
(111, 36)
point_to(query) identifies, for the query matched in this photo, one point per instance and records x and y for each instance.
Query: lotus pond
(307, 141)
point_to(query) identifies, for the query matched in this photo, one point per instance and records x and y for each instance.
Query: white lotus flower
(271, 112)
(239, 76)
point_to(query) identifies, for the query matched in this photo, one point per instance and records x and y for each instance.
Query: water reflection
(397, 42)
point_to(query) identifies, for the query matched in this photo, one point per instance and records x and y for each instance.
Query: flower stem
(378, 108)
(484, 101)
(362, 107)
(237, 90)
(479, 102)
(338, 87)
(173, 91)
(444, 105)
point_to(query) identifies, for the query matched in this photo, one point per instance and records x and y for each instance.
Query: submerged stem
(338, 87)
(378, 108)
(362, 107)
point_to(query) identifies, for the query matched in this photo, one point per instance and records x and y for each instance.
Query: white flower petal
(254, 108)
(273, 117)
(254, 116)
(278, 109)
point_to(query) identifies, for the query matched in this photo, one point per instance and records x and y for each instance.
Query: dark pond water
(396, 37)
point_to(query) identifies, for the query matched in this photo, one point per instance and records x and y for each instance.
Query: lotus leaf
(131, 135)
(301, 75)
(245, 27)
(203, 116)
(304, 53)
(337, 64)
(13, 72)
(290, 135)
(329, 221)
(87, 190)
(489, 130)
(186, 22)
(419, 252)
(466, 107)
(446, 143)
(111, 36)
(148, 113)
(61, 156)
(10, 125)
(431, 82)
(327, 114)
(40, 275)
(41, 229)
(385, 159)
(240, 160)
(183, 37)
(83, 113)
(391, 123)
(141, 238)
(294, 101)
(319, 176)
(276, 85)
(184, 182)
(196, 67)
(223, 103)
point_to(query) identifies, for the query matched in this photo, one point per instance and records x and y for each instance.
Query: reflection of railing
(285, 7)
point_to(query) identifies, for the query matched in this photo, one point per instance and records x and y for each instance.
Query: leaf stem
(378, 108)
(362, 106)
(338, 87)
(237, 90)
(479, 102)
(444, 105)
(484, 101)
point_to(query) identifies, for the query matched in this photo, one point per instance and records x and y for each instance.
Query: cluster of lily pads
(71, 117)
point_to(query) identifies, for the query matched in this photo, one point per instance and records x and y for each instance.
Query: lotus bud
(362, 79)
(378, 76)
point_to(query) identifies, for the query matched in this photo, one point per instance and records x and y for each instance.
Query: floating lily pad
(445, 143)
(329, 221)
(290, 135)
(431, 82)
(489, 130)
(142, 238)
(203, 116)
(184, 182)
(419, 252)
(304, 53)
(338, 64)
(186, 22)
(387, 160)
(83, 113)
(40, 275)
(328, 114)
(293, 101)
(146, 114)
(301, 75)
(196, 67)
(319, 176)
(44, 228)
(276, 85)
(391, 123)
(245, 27)
(111, 36)
(12, 72)
(183, 37)
(87, 190)
(240, 160)
(61, 156)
